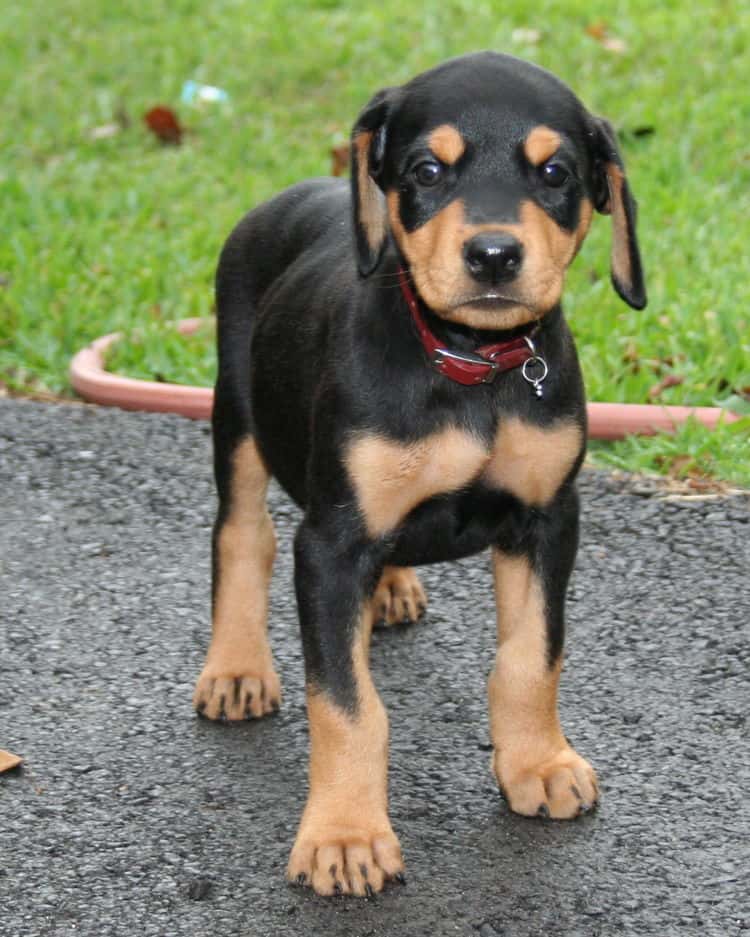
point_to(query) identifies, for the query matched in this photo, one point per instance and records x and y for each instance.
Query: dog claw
(543, 811)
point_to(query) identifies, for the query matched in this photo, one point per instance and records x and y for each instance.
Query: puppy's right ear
(367, 154)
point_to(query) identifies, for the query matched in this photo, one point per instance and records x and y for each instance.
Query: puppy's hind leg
(238, 680)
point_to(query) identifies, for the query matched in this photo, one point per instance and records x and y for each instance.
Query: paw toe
(358, 868)
(562, 787)
(232, 698)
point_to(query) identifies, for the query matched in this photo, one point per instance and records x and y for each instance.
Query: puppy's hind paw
(399, 597)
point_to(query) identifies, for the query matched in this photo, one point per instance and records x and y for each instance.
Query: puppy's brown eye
(428, 172)
(554, 175)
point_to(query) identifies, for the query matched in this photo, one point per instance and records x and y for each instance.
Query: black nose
(493, 258)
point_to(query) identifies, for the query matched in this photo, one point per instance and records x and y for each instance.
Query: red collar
(483, 364)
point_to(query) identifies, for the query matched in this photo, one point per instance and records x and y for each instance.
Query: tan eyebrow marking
(447, 144)
(540, 144)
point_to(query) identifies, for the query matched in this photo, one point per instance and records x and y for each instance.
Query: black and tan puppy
(410, 380)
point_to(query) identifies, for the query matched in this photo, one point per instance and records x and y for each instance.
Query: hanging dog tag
(534, 369)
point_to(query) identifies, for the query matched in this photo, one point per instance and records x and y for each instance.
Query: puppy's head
(486, 172)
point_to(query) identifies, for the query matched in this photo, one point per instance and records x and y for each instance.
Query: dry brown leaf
(597, 30)
(104, 132)
(613, 44)
(671, 380)
(631, 353)
(702, 484)
(339, 159)
(687, 478)
(531, 36)
(675, 465)
(163, 122)
(9, 761)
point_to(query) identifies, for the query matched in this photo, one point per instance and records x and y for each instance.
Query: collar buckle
(488, 365)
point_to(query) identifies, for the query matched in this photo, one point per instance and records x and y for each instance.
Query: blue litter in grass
(195, 93)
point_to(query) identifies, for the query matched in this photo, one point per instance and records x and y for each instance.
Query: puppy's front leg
(345, 842)
(536, 767)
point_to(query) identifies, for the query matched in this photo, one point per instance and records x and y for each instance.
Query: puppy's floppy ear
(367, 154)
(612, 196)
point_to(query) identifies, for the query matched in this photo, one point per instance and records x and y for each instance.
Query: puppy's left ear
(367, 155)
(612, 196)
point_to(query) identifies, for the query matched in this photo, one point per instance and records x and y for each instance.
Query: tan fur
(530, 462)
(345, 837)
(620, 257)
(540, 144)
(447, 144)
(391, 478)
(548, 251)
(238, 678)
(399, 596)
(435, 255)
(534, 764)
(434, 252)
(584, 222)
(371, 208)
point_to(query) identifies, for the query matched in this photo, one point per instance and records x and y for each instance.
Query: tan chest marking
(392, 478)
(531, 463)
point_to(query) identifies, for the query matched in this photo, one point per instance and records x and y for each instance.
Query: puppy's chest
(392, 478)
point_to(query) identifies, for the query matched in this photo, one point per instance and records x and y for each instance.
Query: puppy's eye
(554, 175)
(428, 173)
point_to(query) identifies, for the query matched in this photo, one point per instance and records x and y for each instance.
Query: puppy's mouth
(489, 300)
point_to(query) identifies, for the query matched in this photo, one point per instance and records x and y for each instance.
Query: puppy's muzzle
(493, 258)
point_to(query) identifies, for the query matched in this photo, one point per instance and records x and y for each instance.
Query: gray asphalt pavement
(132, 817)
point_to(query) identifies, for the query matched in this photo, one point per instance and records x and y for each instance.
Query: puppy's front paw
(231, 697)
(340, 858)
(561, 785)
(399, 597)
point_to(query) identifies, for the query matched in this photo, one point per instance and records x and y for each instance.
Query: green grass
(123, 233)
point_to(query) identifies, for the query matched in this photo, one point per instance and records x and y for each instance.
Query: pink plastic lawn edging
(93, 383)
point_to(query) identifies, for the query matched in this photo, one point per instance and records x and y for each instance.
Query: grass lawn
(122, 233)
